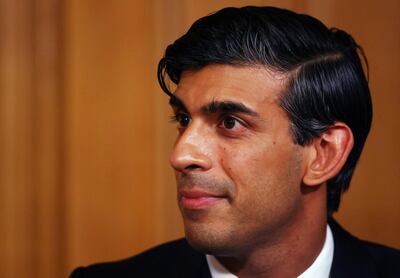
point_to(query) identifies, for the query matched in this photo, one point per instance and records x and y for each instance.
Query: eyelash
(173, 119)
(177, 117)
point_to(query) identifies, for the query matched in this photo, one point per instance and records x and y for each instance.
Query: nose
(192, 151)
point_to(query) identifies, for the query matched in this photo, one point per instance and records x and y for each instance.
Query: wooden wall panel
(30, 150)
(110, 129)
(16, 139)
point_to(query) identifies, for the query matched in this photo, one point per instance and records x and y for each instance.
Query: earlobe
(328, 153)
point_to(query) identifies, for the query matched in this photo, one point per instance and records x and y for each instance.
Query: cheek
(245, 164)
(267, 177)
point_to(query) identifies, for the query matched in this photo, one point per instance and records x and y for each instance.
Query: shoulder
(386, 259)
(353, 256)
(172, 259)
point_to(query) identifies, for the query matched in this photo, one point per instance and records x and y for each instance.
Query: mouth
(196, 199)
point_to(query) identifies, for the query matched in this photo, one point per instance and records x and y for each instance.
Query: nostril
(192, 167)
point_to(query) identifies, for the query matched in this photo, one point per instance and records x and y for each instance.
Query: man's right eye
(182, 119)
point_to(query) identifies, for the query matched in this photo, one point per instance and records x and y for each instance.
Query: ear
(327, 154)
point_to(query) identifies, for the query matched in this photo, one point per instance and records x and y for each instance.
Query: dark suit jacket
(352, 258)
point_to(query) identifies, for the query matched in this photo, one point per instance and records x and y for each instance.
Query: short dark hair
(326, 81)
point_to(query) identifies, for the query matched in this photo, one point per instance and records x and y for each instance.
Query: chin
(210, 241)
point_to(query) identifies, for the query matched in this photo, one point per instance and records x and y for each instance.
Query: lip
(196, 199)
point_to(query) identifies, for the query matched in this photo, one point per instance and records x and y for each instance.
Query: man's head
(269, 104)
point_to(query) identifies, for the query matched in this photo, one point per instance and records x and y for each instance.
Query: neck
(294, 250)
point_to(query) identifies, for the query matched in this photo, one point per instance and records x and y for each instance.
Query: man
(273, 109)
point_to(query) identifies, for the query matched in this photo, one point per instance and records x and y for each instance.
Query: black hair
(326, 81)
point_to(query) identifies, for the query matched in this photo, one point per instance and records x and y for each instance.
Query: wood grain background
(84, 133)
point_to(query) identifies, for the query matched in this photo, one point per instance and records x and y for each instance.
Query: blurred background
(85, 138)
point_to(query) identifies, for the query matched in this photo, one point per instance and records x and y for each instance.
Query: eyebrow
(215, 107)
(227, 107)
(177, 103)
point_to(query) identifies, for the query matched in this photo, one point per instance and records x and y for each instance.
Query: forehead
(250, 84)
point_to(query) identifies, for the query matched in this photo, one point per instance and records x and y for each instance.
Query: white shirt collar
(321, 267)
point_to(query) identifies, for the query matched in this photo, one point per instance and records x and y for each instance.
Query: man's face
(237, 169)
